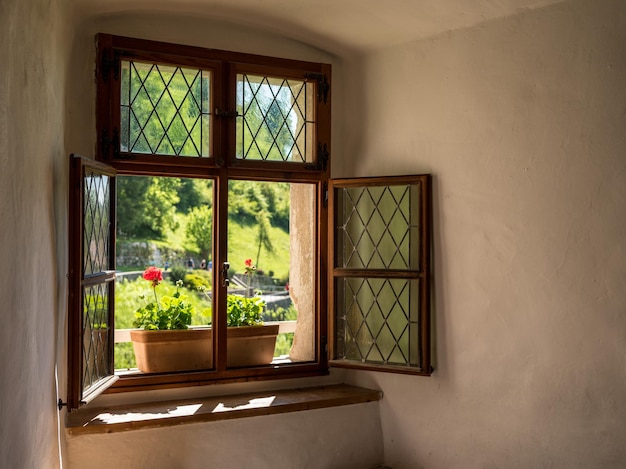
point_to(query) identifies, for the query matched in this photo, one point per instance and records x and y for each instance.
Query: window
(212, 163)
(381, 273)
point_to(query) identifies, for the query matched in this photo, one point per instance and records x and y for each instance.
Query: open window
(380, 276)
(91, 280)
(213, 167)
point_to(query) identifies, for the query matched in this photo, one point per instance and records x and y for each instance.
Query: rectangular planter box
(251, 345)
(192, 349)
(162, 351)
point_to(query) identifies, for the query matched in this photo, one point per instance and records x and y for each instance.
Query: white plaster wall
(347, 437)
(522, 122)
(33, 68)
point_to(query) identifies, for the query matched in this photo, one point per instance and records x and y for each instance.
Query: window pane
(377, 320)
(275, 119)
(165, 110)
(167, 223)
(271, 250)
(97, 223)
(95, 334)
(377, 227)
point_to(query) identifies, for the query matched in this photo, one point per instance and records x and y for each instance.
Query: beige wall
(522, 121)
(33, 69)
(347, 437)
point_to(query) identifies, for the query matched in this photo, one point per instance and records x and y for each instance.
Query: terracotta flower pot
(251, 345)
(192, 349)
(178, 350)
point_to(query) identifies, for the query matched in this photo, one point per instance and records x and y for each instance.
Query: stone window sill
(214, 408)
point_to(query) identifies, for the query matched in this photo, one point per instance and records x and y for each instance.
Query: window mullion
(220, 271)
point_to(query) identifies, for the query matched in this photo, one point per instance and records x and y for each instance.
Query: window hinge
(323, 87)
(106, 142)
(325, 194)
(61, 404)
(322, 158)
(110, 61)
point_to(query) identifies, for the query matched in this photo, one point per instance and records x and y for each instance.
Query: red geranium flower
(249, 267)
(154, 275)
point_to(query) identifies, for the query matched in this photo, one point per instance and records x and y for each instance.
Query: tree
(194, 192)
(146, 206)
(200, 229)
(263, 237)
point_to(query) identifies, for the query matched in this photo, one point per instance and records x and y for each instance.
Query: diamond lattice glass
(379, 321)
(275, 119)
(97, 223)
(378, 227)
(95, 333)
(165, 110)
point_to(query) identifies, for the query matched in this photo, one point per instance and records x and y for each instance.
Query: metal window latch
(222, 113)
(225, 279)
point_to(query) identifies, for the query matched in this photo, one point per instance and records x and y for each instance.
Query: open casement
(380, 273)
(91, 280)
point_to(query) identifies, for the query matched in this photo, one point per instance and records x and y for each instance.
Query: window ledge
(209, 409)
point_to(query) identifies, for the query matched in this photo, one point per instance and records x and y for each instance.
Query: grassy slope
(242, 245)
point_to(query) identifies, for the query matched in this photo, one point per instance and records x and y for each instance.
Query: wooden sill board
(209, 409)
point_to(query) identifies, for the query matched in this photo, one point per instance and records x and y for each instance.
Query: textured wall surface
(522, 122)
(32, 106)
(346, 437)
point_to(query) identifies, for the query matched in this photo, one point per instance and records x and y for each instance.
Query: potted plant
(249, 342)
(163, 341)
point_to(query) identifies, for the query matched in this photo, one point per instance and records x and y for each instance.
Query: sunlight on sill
(215, 408)
(181, 411)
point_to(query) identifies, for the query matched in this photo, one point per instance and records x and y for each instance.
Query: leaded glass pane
(96, 329)
(165, 110)
(377, 227)
(377, 320)
(97, 222)
(275, 120)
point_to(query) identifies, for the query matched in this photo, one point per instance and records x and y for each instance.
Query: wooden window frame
(223, 166)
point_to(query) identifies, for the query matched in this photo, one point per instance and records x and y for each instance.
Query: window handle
(225, 279)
